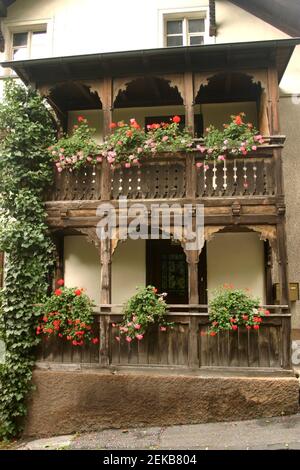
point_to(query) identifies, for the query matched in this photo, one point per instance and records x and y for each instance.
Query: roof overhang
(215, 57)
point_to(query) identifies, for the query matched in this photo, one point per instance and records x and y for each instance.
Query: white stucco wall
(238, 259)
(128, 269)
(82, 266)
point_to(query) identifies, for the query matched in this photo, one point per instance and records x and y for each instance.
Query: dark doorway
(167, 270)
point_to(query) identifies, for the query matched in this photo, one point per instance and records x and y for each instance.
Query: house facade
(203, 61)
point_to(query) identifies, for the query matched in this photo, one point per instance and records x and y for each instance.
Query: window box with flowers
(238, 138)
(77, 150)
(232, 308)
(128, 143)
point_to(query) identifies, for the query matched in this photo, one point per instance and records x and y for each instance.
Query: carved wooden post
(105, 298)
(273, 100)
(106, 94)
(264, 128)
(192, 258)
(189, 101)
(190, 176)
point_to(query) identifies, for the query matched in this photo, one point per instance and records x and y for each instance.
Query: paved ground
(272, 433)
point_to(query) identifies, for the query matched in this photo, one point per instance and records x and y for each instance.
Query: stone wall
(77, 401)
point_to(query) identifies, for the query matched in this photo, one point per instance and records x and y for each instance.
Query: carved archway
(147, 91)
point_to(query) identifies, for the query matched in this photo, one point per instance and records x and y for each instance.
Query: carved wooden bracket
(267, 233)
(210, 231)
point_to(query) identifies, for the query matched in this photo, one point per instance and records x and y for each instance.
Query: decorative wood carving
(267, 232)
(210, 231)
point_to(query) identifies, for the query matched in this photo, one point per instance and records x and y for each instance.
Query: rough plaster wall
(290, 124)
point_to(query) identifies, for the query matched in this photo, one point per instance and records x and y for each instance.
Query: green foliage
(67, 314)
(231, 308)
(27, 131)
(237, 138)
(76, 150)
(141, 311)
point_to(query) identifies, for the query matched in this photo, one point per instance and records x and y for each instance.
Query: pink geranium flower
(139, 337)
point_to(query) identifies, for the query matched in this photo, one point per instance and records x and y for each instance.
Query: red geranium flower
(234, 327)
(81, 119)
(213, 333)
(60, 282)
(176, 119)
(58, 292)
(112, 125)
(238, 120)
(256, 327)
(95, 340)
(77, 292)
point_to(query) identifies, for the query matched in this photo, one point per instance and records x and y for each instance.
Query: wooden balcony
(185, 345)
(176, 176)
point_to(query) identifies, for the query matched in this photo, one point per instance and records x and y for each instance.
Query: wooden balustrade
(175, 176)
(184, 345)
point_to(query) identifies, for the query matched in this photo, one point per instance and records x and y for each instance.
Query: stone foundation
(76, 401)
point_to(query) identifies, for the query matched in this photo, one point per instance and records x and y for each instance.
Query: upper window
(185, 30)
(29, 44)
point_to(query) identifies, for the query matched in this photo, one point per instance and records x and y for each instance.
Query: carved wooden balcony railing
(185, 345)
(168, 176)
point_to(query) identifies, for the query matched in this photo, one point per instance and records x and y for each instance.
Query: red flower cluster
(133, 124)
(70, 320)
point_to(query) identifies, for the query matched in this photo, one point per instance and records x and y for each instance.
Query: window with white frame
(30, 44)
(185, 30)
